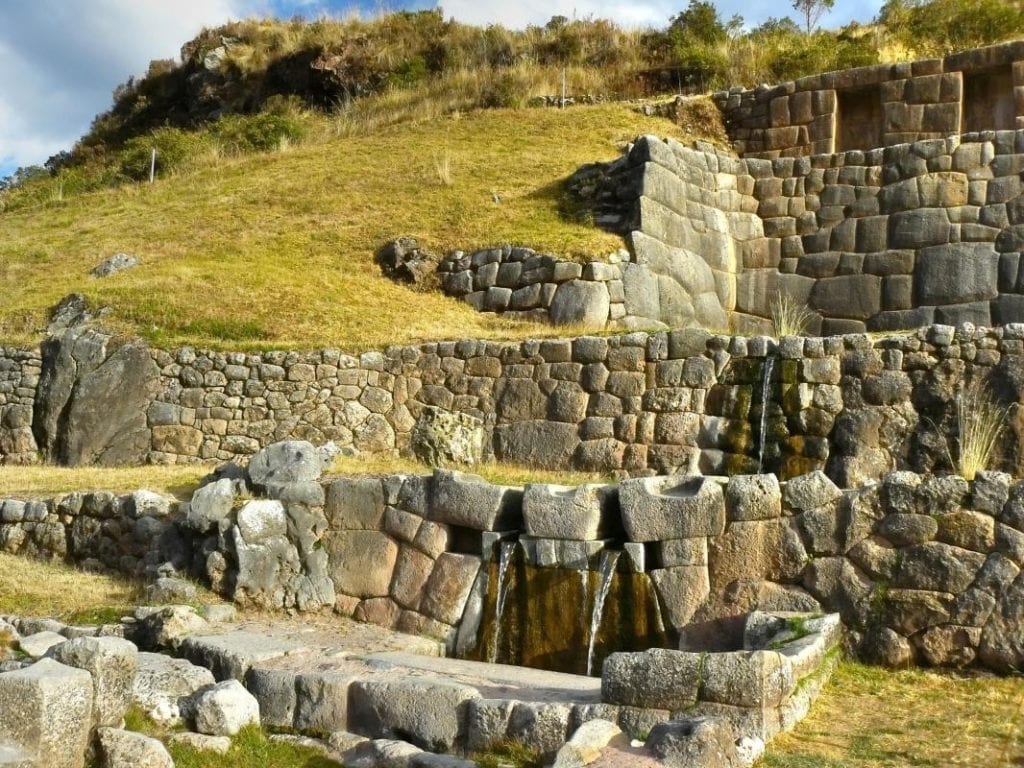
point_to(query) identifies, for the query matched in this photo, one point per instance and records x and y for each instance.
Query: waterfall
(508, 549)
(609, 559)
(766, 397)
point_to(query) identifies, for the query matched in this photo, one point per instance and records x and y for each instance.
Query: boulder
(225, 708)
(706, 742)
(38, 644)
(403, 260)
(443, 437)
(46, 710)
(285, 463)
(210, 504)
(92, 399)
(472, 502)
(168, 626)
(164, 684)
(71, 311)
(753, 497)
(809, 491)
(361, 562)
(119, 262)
(112, 662)
(126, 749)
(657, 678)
(449, 586)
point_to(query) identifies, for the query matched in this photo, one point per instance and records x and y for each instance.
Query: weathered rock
(210, 504)
(225, 708)
(431, 713)
(580, 513)
(46, 710)
(449, 586)
(92, 398)
(705, 742)
(112, 662)
(883, 646)
(361, 562)
(683, 589)
(753, 497)
(656, 678)
(580, 302)
(285, 463)
(168, 626)
(37, 645)
(443, 437)
(810, 491)
(536, 443)
(163, 685)
(586, 743)
(71, 311)
(747, 678)
(671, 507)
(541, 727)
(119, 262)
(402, 259)
(472, 502)
(126, 749)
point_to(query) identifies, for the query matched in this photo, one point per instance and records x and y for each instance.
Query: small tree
(812, 11)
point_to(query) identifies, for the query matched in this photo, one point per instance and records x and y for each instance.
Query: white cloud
(61, 59)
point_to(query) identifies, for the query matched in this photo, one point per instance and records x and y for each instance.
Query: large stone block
(579, 512)
(683, 590)
(956, 274)
(225, 709)
(658, 678)
(671, 507)
(753, 497)
(851, 296)
(355, 503)
(919, 228)
(163, 685)
(361, 562)
(443, 437)
(112, 662)
(126, 749)
(432, 714)
(580, 302)
(46, 710)
(472, 502)
(537, 443)
(284, 463)
(449, 586)
(759, 679)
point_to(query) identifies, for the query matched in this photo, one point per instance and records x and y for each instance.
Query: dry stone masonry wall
(636, 404)
(879, 106)
(921, 568)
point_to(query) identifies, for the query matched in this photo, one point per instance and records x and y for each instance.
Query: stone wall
(879, 106)
(19, 376)
(921, 567)
(885, 239)
(638, 403)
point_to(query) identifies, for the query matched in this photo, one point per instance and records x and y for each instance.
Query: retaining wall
(879, 106)
(639, 403)
(923, 568)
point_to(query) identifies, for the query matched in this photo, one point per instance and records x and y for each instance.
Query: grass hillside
(276, 249)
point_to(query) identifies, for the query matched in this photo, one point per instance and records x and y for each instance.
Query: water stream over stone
(609, 559)
(766, 398)
(508, 549)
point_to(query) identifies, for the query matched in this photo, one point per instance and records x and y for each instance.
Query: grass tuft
(789, 317)
(980, 422)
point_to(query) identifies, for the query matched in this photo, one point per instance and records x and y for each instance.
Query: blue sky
(61, 59)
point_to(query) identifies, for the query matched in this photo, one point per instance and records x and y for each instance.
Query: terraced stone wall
(19, 376)
(922, 568)
(635, 404)
(879, 106)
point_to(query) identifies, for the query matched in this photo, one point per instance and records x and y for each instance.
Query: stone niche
(988, 101)
(859, 119)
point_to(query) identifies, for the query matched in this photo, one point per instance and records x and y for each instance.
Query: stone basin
(671, 507)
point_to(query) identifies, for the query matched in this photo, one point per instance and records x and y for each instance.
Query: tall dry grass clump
(980, 421)
(789, 317)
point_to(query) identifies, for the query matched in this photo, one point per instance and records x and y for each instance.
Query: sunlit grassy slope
(276, 250)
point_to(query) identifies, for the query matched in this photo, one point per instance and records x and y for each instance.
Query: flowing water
(609, 559)
(508, 550)
(766, 398)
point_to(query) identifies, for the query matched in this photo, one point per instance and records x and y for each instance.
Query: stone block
(761, 679)
(579, 513)
(657, 678)
(956, 274)
(683, 590)
(224, 709)
(472, 502)
(449, 586)
(361, 562)
(127, 749)
(431, 713)
(112, 662)
(580, 302)
(46, 711)
(355, 504)
(671, 507)
(851, 296)
(919, 228)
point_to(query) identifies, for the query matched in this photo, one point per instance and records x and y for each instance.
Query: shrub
(175, 150)
(242, 134)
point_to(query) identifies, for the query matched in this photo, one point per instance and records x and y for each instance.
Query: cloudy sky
(61, 59)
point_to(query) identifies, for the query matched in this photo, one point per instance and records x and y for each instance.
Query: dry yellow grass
(41, 480)
(276, 250)
(496, 472)
(869, 717)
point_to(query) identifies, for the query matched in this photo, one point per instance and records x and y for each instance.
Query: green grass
(41, 481)
(251, 747)
(276, 249)
(869, 717)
